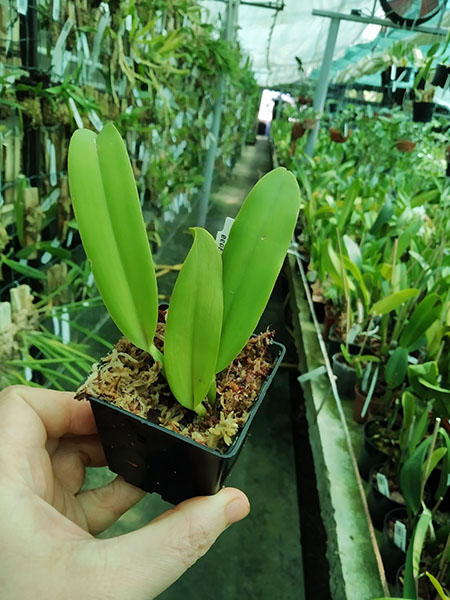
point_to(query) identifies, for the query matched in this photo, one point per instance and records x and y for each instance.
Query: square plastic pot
(156, 459)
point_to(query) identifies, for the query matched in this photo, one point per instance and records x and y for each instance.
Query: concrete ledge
(356, 571)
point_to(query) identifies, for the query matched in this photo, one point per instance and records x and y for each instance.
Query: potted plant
(441, 73)
(424, 88)
(173, 369)
(406, 133)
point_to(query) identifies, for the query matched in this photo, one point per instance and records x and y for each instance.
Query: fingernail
(236, 510)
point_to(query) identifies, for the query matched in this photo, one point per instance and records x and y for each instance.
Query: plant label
(55, 11)
(58, 53)
(222, 236)
(95, 120)
(76, 114)
(104, 21)
(85, 46)
(55, 322)
(383, 485)
(52, 159)
(65, 326)
(400, 535)
(22, 7)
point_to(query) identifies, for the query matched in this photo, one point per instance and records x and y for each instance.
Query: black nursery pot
(440, 75)
(345, 376)
(371, 455)
(379, 504)
(393, 556)
(423, 112)
(156, 459)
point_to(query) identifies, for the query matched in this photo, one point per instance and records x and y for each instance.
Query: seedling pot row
(159, 460)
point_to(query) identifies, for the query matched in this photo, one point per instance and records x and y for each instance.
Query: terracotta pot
(405, 145)
(336, 135)
(297, 132)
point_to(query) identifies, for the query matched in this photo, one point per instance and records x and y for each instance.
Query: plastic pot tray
(157, 459)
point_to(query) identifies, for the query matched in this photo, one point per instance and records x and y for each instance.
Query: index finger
(30, 416)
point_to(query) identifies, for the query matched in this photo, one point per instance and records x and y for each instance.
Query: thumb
(152, 558)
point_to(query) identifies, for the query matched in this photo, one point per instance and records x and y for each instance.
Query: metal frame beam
(229, 33)
(321, 91)
(320, 94)
(377, 21)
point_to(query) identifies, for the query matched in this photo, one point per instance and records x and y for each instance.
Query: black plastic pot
(319, 309)
(423, 112)
(393, 557)
(345, 376)
(156, 459)
(371, 455)
(440, 75)
(379, 504)
(334, 345)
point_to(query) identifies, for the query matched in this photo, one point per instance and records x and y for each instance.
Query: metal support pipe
(322, 85)
(208, 171)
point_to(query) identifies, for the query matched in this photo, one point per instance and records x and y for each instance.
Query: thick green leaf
(253, 257)
(409, 409)
(395, 371)
(109, 217)
(427, 371)
(445, 468)
(353, 250)
(356, 273)
(437, 586)
(47, 247)
(194, 322)
(383, 217)
(436, 456)
(393, 301)
(331, 264)
(411, 476)
(419, 428)
(425, 314)
(413, 555)
(346, 210)
(23, 269)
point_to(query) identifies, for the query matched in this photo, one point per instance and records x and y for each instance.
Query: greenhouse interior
(171, 169)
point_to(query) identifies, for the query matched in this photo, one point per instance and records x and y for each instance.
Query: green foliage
(109, 217)
(413, 555)
(217, 300)
(253, 256)
(194, 322)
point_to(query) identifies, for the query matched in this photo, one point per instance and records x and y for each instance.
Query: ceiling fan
(412, 12)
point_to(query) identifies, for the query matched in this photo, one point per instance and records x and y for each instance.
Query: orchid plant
(217, 299)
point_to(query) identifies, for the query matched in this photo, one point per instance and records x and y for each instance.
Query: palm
(53, 467)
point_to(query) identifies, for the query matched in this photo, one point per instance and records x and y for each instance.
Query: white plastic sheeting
(273, 39)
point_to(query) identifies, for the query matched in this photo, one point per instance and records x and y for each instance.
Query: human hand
(47, 526)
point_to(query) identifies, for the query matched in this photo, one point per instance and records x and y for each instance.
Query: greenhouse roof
(274, 39)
